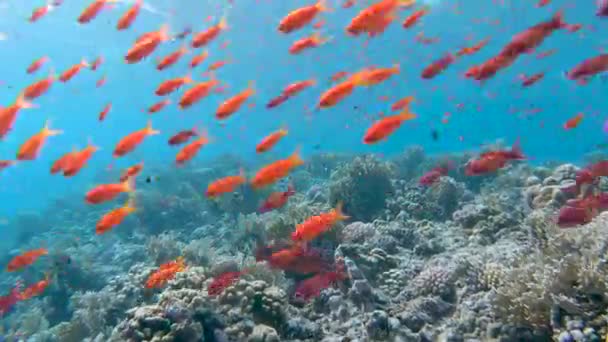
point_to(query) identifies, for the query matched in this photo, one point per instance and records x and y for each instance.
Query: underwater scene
(304, 170)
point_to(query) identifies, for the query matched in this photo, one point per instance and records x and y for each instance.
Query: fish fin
(406, 115)
(516, 150)
(295, 158)
(339, 213)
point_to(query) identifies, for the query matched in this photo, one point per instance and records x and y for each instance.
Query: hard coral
(363, 186)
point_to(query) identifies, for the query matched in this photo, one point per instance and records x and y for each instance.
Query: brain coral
(362, 186)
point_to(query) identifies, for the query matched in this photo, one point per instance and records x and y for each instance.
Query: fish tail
(322, 6)
(251, 87)
(131, 205)
(129, 185)
(84, 63)
(558, 19)
(48, 131)
(150, 130)
(21, 102)
(406, 115)
(295, 158)
(339, 213)
(283, 131)
(516, 150)
(164, 32)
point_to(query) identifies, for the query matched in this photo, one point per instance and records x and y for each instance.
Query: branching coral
(363, 186)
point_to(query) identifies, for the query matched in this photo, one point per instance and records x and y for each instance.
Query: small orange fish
(73, 70)
(296, 87)
(129, 16)
(37, 64)
(171, 85)
(198, 59)
(6, 163)
(191, 150)
(105, 111)
(9, 114)
(203, 38)
(216, 65)
(338, 76)
(158, 106)
(78, 160)
(197, 93)
(469, 50)
(414, 18)
(171, 58)
(301, 17)
(114, 217)
(165, 273)
(337, 93)
(274, 171)
(31, 148)
(62, 162)
(312, 41)
(25, 259)
(317, 225)
(35, 289)
(91, 11)
(39, 12)
(96, 63)
(132, 171)
(233, 104)
(131, 141)
(384, 127)
(373, 76)
(225, 185)
(402, 103)
(574, 122)
(146, 45)
(107, 192)
(270, 140)
(100, 82)
(38, 88)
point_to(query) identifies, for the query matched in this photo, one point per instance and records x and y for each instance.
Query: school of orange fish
(372, 20)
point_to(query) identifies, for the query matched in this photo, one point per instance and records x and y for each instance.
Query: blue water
(259, 52)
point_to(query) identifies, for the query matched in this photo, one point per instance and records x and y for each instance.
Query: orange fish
(301, 17)
(114, 217)
(39, 12)
(317, 225)
(129, 16)
(35, 289)
(6, 163)
(225, 185)
(274, 171)
(158, 106)
(107, 192)
(171, 59)
(469, 50)
(198, 59)
(131, 141)
(73, 70)
(414, 18)
(373, 76)
(91, 11)
(402, 103)
(132, 171)
(574, 122)
(25, 259)
(375, 18)
(38, 88)
(165, 273)
(31, 148)
(96, 63)
(277, 199)
(270, 140)
(335, 94)
(182, 137)
(338, 76)
(312, 41)
(100, 82)
(216, 65)
(169, 86)
(191, 150)
(296, 87)
(205, 37)
(146, 45)
(384, 127)
(9, 114)
(37, 64)
(233, 104)
(63, 161)
(105, 111)
(197, 93)
(78, 160)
